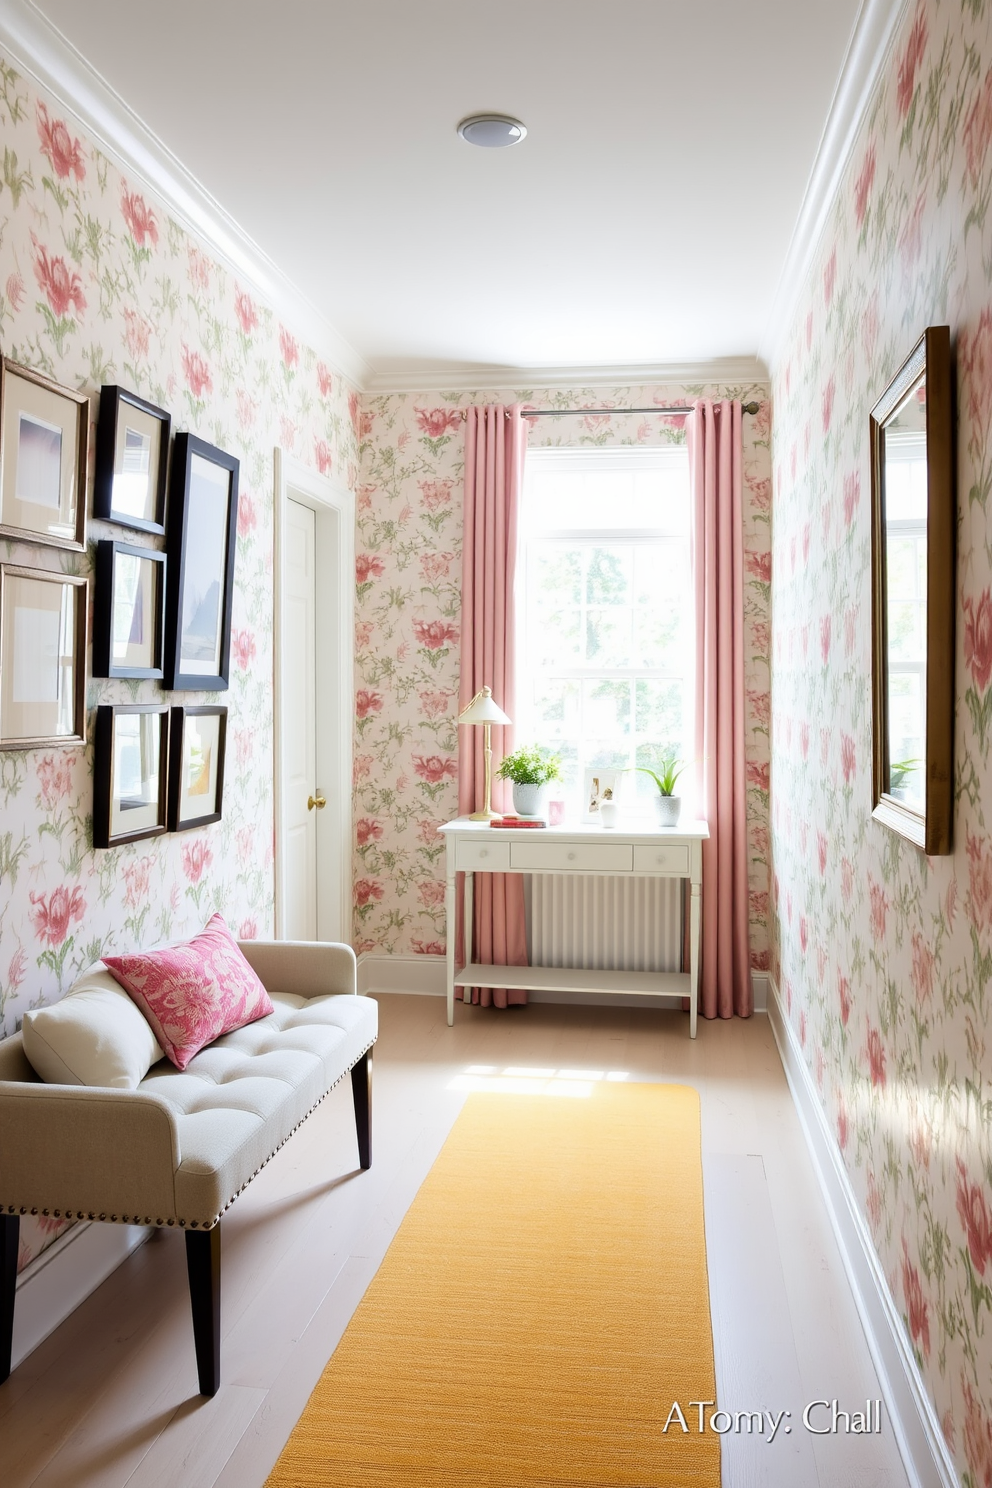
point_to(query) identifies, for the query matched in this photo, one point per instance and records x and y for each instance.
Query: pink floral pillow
(192, 993)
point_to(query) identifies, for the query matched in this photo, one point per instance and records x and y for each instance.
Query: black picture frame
(115, 402)
(108, 553)
(178, 768)
(110, 810)
(201, 545)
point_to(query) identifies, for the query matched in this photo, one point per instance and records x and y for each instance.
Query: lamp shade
(482, 709)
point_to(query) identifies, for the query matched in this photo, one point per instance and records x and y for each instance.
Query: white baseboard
(921, 1442)
(65, 1274)
(423, 976)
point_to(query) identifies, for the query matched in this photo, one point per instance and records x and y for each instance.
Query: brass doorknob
(319, 800)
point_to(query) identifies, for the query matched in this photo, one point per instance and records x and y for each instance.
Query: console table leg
(469, 917)
(449, 955)
(694, 902)
(10, 1227)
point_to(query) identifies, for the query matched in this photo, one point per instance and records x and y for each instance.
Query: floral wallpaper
(883, 956)
(408, 563)
(99, 285)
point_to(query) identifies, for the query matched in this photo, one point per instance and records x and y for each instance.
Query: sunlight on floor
(517, 1079)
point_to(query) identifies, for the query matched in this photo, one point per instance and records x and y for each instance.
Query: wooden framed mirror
(913, 521)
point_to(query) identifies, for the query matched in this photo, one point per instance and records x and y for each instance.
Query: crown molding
(469, 377)
(871, 40)
(41, 51)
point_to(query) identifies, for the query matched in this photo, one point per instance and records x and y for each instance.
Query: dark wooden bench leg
(203, 1266)
(10, 1229)
(361, 1089)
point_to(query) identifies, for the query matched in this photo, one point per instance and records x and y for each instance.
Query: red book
(516, 821)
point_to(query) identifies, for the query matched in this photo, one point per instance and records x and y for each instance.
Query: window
(605, 612)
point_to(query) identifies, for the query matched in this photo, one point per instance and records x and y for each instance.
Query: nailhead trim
(204, 1224)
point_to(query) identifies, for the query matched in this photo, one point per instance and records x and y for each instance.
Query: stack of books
(517, 821)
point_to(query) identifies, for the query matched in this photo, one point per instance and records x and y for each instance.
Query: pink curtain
(713, 432)
(495, 443)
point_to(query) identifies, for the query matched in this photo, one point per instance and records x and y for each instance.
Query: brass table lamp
(483, 710)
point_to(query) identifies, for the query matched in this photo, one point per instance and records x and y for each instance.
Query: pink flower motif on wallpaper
(289, 348)
(975, 360)
(804, 739)
(427, 947)
(829, 278)
(364, 632)
(875, 1054)
(65, 154)
(916, 1307)
(852, 496)
(434, 704)
(760, 565)
(821, 852)
(846, 879)
(368, 566)
(367, 890)
(435, 566)
(844, 998)
(61, 286)
(873, 1201)
(247, 514)
(197, 858)
(243, 648)
(248, 929)
(247, 409)
(912, 56)
(137, 878)
(367, 830)
(879, 907)
(434, 635)
(325, 382)
(367, 702)
(137, 335)
(978, 130)
(863, 185)
(977, 1438)
(323, 456)
(287, 432)
(15, 290)
(139, 217)
(362, 768)
(842, 1125)
(199, 267)
(976, 1219)
(760, 704)
(825, 627)
(847, 758)
(53, 914)
(431, 893)
(911, 237)
(55, 778)
(827, 404)
(978, 638)
(196, 372)
(16, 970)
(244, 309)
(435, 768)
(979, 881)
(435, 422)
(353, 411)
(435, 494)
(923, 966)
(803, 929)
(850, 630)
(757, 772)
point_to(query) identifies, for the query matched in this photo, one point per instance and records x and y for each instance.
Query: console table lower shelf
(574, 979)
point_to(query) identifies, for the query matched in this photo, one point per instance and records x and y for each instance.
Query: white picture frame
(600, 783)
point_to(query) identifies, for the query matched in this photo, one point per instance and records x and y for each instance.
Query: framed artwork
(203, 526)
(42, 658)
(129, 611)
(130, 771)
(601, 785)
(196, 767)
(132, 452)
(44, 447)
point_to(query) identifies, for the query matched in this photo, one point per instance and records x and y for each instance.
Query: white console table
(660, 852)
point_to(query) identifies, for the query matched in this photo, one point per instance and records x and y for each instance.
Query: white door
(299, 745)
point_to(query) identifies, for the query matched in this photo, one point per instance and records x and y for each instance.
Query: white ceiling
(645, 219)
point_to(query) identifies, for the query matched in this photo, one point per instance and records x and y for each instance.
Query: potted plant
(531, 769)
(900, 772)
(667, 804)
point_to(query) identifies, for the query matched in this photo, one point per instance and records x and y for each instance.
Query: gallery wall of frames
(161, 605)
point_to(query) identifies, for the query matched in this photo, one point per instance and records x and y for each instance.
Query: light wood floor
(110, 1398)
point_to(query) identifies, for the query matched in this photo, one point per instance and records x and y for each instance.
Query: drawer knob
(571, 857)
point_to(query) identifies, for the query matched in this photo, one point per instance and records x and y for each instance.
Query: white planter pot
(528, 800)
(668, 810)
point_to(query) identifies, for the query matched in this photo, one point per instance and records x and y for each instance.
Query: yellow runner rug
(541, 1307)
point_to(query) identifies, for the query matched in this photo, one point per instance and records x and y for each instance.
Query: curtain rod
(585, 412)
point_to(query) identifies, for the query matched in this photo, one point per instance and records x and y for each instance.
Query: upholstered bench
(180, 1147)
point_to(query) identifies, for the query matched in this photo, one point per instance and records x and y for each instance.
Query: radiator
(604, 923)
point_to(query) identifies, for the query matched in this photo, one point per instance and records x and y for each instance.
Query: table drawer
(571, 857)
(662, 859)
(483, 857)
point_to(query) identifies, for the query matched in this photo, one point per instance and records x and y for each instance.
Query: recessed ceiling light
(492, 131)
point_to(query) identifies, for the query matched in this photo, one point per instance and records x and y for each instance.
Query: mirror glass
(904, 454)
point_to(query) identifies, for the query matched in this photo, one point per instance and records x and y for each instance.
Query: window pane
(608, 638)
(608, 575)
